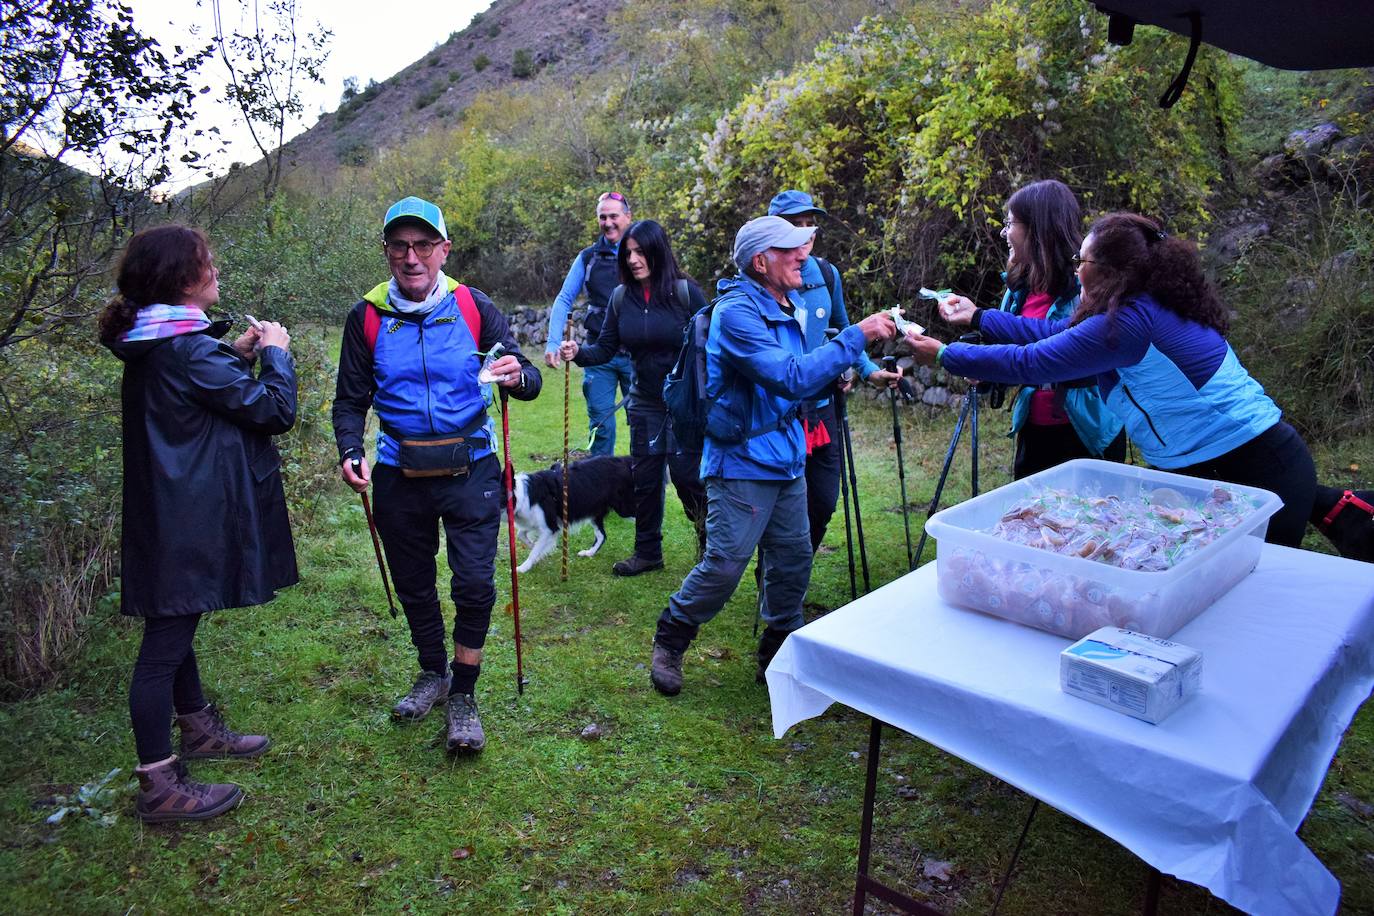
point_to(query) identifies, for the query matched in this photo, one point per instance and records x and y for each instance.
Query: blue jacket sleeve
(1004, 327)
(563, 303)
(839, 318)
(748, 345)
(1086, 349)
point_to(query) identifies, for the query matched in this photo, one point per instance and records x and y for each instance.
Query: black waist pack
(445, 455)
(436, 456)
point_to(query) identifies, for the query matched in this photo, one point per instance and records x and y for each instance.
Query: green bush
(914, 137)
(481, 62)
(1304, 325)
(59, 527)
(522, 65)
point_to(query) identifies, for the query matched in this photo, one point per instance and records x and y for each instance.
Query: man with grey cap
(754, 456)
(412, 350)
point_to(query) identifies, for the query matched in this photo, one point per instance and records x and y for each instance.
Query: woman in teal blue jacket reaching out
(1153, 331)
(1052, 422)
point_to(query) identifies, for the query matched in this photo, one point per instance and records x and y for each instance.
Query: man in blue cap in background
(412, 350)
(822, 295)
(754, 455)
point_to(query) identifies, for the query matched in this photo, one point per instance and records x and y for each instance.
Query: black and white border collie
(596, 487)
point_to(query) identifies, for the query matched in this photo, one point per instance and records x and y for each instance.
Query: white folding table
(1214, 795)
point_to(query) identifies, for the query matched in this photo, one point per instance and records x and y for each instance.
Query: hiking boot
(429, 691)
(464, 728)
(769, 644)
(166, 793)
(635, 565)
(204, 735)
(666, 670)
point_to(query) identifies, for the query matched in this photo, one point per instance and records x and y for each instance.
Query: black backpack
(694, 412)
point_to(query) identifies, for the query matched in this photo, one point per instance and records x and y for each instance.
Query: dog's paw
(589, 552)
(524, 567)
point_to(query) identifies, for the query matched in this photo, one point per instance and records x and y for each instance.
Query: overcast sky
(373, 39)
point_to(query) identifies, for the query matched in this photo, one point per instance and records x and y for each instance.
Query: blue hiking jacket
(421, 375)
(757, 366)
(1184, 396)
(1095, 424)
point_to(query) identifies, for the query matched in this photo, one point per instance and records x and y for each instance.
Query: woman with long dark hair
(205, 524)
(1152, 329)
(1055, 421)
(646, 316)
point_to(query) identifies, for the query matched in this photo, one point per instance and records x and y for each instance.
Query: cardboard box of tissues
(1140, 675)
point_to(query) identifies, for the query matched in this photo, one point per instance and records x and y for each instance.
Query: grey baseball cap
(767, 232)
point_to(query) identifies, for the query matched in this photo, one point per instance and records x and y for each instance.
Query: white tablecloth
(1213, 795)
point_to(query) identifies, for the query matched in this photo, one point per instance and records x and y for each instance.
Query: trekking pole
(969, 400)
(844, 493)
(848, 438)
(890, 364)
(376, 543)
(567, 389)
(510, 525)
(973, 444)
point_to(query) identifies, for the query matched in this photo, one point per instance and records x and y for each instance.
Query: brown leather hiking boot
(166, 793)
(666, 670)
(204, 735)
(634, 565)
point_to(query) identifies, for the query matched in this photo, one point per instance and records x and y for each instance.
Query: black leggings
(652, 448)
(1039, 448)
(165, 677)
(1277, 460)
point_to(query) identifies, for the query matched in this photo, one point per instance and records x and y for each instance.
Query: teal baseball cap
(416, 209)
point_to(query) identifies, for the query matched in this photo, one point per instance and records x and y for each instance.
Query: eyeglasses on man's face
(397, 249)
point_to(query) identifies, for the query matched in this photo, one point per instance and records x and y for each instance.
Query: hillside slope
(512, 41)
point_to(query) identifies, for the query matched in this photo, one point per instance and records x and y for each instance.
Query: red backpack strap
(463, 296)
(372, 324)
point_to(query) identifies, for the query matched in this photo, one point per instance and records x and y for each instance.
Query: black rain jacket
(205, 523)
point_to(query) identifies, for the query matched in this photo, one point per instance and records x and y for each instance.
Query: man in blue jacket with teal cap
(412, 351)
(757, 373)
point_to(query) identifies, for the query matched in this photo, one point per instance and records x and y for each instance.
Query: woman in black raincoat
(205, 523)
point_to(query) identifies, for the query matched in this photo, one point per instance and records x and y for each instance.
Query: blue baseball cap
(791, 203)
(420, 210)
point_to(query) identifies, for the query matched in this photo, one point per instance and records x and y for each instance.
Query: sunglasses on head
(611, 195)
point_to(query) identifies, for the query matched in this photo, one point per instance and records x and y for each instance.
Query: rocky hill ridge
(511, 41)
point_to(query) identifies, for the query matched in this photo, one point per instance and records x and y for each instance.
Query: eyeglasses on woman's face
(1078, 260)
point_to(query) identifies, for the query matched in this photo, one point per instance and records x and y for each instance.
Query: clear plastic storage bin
(1072, 596)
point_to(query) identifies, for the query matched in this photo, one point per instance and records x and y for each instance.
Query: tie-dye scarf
(156, 321)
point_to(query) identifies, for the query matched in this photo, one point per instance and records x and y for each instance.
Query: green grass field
(684, 805)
